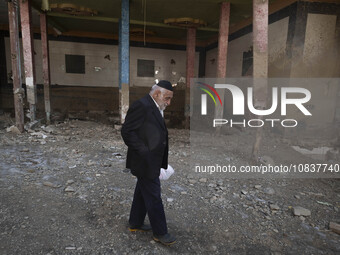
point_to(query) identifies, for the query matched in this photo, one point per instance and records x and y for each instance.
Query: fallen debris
(300, 211)
(316, 153)
(50, 184)
(335, 227)
(324, 203)
(69, 189)
(78, 193)
(274, 207)
(39, 134)
(14, 130)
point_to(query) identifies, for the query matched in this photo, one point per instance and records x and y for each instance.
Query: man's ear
(157, 93)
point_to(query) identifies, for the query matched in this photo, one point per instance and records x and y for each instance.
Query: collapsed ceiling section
(70, 9)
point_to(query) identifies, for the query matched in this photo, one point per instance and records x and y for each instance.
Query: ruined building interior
(69, 69)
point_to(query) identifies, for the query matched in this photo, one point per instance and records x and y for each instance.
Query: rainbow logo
(209, 93)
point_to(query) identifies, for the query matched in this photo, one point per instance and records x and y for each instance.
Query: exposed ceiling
(151, 12)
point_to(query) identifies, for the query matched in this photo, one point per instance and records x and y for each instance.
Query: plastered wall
(320, 51)
(101, 64)
(320, 47)
(165, 68)
(277, 39)
(317, 57)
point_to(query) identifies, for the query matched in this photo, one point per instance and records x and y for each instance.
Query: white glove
(166, 173)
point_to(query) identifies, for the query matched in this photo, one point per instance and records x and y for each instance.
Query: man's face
(163, 99)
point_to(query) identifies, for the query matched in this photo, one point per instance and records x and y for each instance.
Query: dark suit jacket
(145, 134)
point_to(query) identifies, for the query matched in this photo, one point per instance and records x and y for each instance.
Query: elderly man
(145, 133)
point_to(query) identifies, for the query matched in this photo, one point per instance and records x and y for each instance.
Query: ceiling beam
(151, 39)
(134, 22)
(111, 36)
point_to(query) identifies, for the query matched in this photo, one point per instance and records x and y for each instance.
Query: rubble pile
(64, 189)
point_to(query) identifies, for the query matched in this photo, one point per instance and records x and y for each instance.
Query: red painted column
(190, 71)
(222, 51)
(19, 93)
(46, 65)
(260, 44)
(260, 38)
(27, 43)
(260, 64)
(191, 44)
(223, 40)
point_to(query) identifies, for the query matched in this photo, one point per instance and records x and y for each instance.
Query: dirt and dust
(64, 189)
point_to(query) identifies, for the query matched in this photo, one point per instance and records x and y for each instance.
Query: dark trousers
(147, 199)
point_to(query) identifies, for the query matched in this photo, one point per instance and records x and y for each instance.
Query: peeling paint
(190, 61)
(260, 39)
(123, 101)
(222, 50)
(29, 82)
(13, 14)
(260, 26)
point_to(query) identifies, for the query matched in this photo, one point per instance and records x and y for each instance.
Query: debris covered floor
(64, 190)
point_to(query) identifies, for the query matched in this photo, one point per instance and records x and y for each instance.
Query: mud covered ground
(64, 189)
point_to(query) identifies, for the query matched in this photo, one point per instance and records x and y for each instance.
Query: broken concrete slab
(39, 134)
(13, 129)
(300, 211)
(33, 124)
(316, 153)
(274, 207)
(50, 184)
(69, 189)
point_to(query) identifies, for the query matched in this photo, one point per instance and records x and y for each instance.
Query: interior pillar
(260, 71)
(46, 65)
(124, 60)
(222, 52)
(190, 71)
(27, 43)
(13, 16)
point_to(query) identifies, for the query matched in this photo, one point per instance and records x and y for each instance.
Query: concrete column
(19, 93)
(124, 60)
(223, 40)
(27, 43)
(260, 72)
(190, 71)
(46, 65)
(260, 44)
(222, 52)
